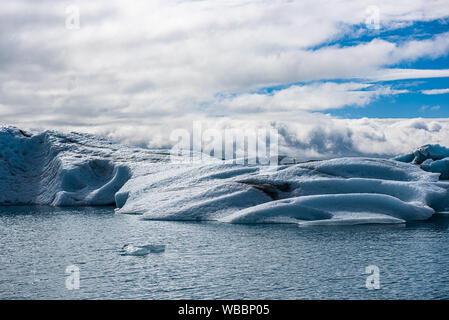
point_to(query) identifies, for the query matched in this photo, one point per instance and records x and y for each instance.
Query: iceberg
(432, 158)
(143, 250)
(56, 169)
(74, 169)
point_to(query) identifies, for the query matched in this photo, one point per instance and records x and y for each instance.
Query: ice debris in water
(51, 168)
(134, 250)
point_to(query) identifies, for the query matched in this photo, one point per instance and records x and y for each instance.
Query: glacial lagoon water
(210, 260)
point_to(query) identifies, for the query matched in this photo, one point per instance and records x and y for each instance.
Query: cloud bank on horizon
(334, 77)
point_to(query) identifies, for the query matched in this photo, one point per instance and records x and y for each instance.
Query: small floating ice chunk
(132, 250)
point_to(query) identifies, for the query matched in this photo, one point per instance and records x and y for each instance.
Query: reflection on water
(215, 260)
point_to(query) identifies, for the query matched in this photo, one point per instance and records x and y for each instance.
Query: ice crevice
(73, 169)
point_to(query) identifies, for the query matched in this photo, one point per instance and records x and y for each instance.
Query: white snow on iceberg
(50, 168)
(62, 170)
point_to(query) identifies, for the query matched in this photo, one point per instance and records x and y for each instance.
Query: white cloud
(312, 97)
(400, 74)
(435, 91)
(327, 138)
(136, 70)
(430, 108)
(311, 136)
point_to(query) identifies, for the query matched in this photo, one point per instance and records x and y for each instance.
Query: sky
(333, 77)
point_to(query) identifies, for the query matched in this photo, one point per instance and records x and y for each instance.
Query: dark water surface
(215, 260)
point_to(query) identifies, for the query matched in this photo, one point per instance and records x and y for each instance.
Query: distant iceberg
(51, 168)
(432, 158)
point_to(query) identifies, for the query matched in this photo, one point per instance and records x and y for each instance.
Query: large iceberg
(51, 168)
